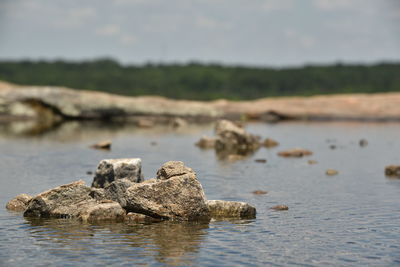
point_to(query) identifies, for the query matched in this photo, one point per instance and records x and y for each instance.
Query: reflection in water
(167, 242)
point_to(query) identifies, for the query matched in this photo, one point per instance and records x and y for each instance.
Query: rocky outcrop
(230, 209)
(175, 194)
(231, 139)
(110, 170)
(19, 203)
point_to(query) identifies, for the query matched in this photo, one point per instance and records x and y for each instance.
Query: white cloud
(108, 30)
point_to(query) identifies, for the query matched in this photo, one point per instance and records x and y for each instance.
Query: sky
(232, 32)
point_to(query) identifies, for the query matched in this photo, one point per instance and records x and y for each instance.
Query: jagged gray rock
(175, 194)
(110, 170)
(19, 203)
(230, 209)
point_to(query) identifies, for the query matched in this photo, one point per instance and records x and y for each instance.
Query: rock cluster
(118, 193)
(232, 139)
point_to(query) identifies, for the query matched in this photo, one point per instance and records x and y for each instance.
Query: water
(351, 219)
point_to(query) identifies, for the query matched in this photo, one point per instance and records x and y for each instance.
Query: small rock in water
(393, 170)
(259, 192)
(230, 209)
(19, 203)
(311, 162)
(178, 122)
(105, 145)
(235, 157)
(268, 143)
(133, 217)
(332, 147)
(153, 143)
(206, 142)
(89, 172)
(331, 172)
(295, 153)
(363, 143)
(261, 160)
(280, 207)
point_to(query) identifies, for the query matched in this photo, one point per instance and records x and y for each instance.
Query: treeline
(204, 81)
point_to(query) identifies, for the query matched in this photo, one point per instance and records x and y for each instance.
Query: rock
(153, 143)
(280, 207)
(332, 147)
(331, 172)
(295, 153)
(269, 143)
(233, 139)
(230, 209)
(233, 157)
(110, 170)
(206, 142)
(173, 168)
(74, 200)
(19, 203)
(363, 143)
(108, 211)
(175, 194)
(259, 192)
(178, 122)
(312, 162)
(132, 217)
(89, 172)
(261, 160)
(106, 145)
(64, 201)
(392, 170)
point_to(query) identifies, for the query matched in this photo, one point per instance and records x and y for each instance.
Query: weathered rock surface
(393, 170)
(176, 194)
(110, 170)
(132, 217)
(79, 104)
(259, 192)
(295, 153)
(73, 201)
(19, 203)
(230, 209)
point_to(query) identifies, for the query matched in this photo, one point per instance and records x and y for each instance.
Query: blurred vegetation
(204, 81)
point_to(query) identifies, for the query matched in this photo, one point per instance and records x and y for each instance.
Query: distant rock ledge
(58, 103)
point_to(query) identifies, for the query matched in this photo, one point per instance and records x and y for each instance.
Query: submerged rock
(110, 170)
(312, 162)
(19, 203)
(106, 145)
(280, 207)
(331, 172)
(393, 170)
(260, 160)
(132, 217)
(363, 143)
(230, 209)
(259, 192)
(295, 153)
(269, 143)
(105, 211)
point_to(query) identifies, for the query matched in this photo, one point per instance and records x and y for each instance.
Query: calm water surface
(351, 219)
